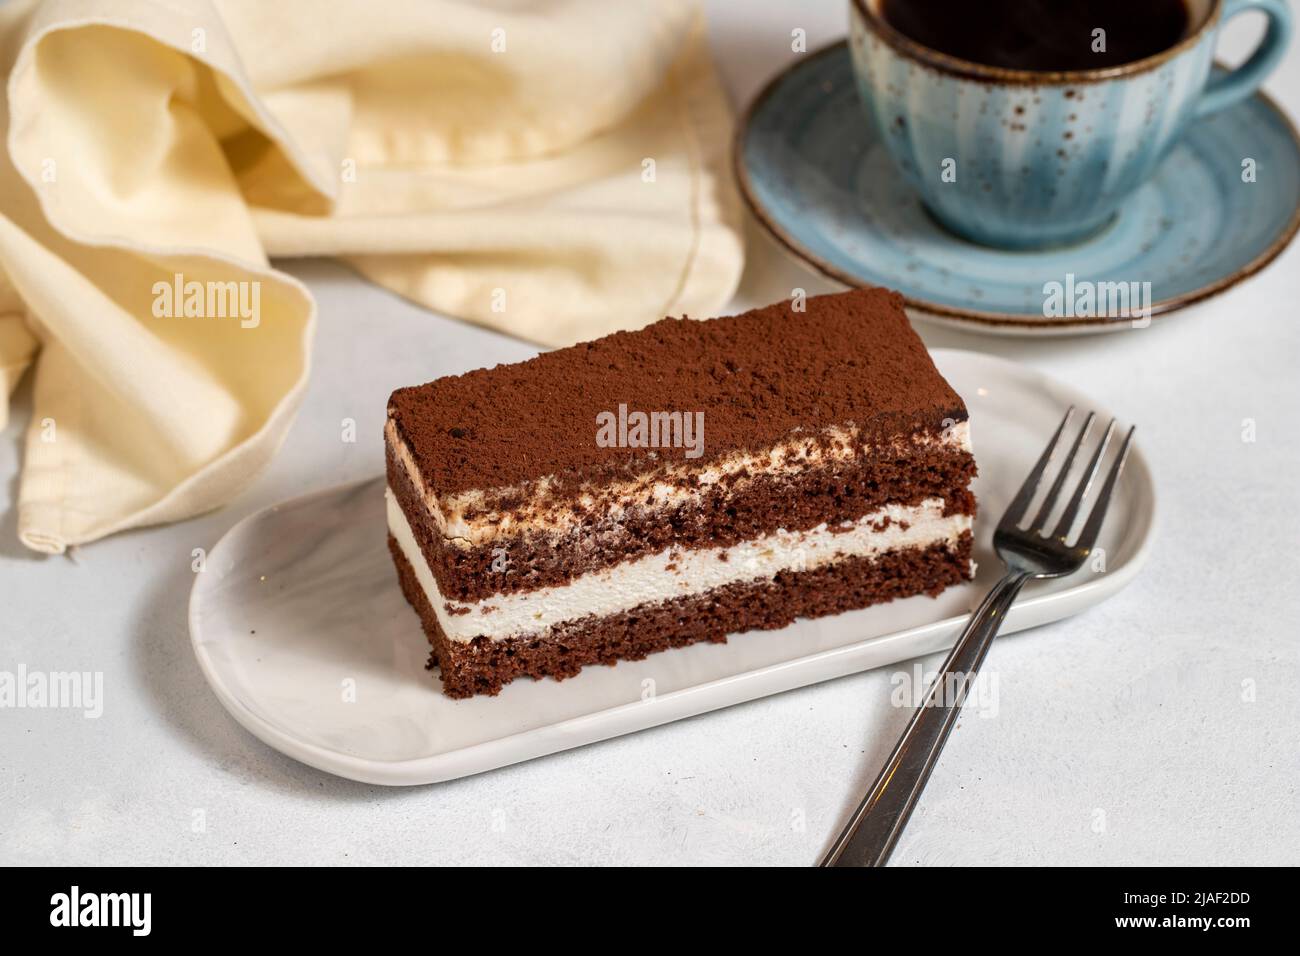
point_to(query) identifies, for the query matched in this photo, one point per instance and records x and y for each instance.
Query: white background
(1131, 713)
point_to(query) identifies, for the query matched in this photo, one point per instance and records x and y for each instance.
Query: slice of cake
(691, 480)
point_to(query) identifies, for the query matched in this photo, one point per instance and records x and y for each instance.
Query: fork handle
(875, 826)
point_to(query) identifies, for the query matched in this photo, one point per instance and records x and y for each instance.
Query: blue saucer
(812, 170)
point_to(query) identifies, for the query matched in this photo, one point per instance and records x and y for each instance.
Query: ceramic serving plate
(300, 628)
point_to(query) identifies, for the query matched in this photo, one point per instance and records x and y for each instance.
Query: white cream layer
(794, 455)
(651, 579)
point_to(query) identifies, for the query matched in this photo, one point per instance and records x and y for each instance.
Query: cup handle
(1242, 82)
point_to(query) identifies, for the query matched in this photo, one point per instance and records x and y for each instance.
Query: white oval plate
(300, 628)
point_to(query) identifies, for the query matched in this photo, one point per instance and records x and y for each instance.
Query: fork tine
(1088, 536)
(1040, 522)
(1072, 509)
(1020, 503)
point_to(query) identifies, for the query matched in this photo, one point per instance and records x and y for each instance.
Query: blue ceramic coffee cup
(1024, 159)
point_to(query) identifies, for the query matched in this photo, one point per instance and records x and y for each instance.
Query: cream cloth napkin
(552, 169)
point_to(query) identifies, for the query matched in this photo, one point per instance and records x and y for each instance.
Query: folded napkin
(555, 170)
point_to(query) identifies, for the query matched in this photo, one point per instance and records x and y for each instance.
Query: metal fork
(1028, 553)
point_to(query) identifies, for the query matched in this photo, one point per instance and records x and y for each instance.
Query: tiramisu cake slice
(691, 480)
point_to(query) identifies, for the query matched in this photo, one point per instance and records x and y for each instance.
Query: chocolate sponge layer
(724, 517)
(757, 378)
(483, 666)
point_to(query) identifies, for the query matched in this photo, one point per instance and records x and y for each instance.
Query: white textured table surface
(1160, 727)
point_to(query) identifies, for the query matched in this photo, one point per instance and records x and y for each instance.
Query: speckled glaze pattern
(1018, 164)
(821, 182)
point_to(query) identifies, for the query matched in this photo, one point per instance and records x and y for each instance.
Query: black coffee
(1041, 35)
